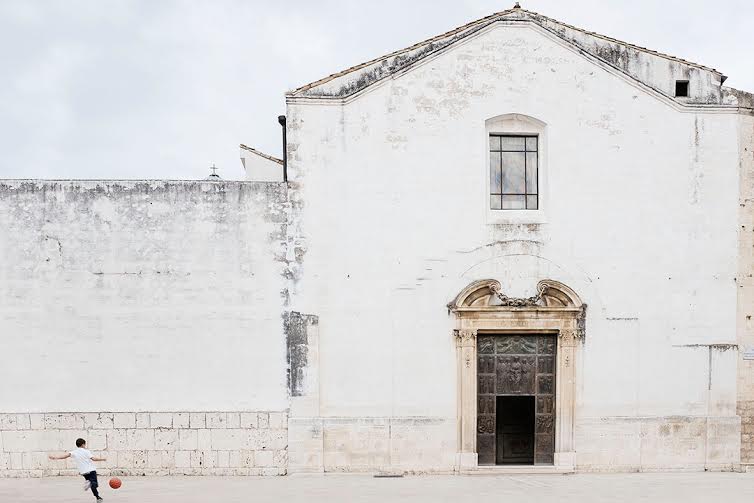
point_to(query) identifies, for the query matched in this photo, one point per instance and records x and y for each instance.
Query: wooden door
(515, 365)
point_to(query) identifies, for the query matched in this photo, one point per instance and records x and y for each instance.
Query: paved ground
(586, 488)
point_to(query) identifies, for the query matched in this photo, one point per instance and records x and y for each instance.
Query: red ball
(115, 482)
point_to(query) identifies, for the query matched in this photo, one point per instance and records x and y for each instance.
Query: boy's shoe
(100, 499)
(87, 485)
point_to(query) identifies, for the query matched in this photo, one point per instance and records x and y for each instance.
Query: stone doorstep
(518, 470)
(387, 473)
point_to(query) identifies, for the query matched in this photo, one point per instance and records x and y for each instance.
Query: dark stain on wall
(296, 328)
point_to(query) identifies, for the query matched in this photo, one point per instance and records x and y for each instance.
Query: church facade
(518, 245)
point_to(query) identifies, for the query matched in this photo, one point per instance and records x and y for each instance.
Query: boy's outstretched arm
(62, 456)
(99, 459)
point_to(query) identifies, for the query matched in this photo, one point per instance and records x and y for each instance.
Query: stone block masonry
(746, 411)
(147, 443)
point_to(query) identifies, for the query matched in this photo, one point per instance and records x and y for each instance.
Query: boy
(83, 459)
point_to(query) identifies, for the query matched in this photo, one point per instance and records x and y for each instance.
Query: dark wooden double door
(515, 399)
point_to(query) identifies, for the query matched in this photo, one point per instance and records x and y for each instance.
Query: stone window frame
(515, 124)
(481, 307)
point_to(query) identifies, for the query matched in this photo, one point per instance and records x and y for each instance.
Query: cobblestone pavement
(581, 488)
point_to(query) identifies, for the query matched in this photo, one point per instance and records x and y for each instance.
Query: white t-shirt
(83, 459)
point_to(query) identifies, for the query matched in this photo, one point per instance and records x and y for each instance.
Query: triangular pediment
(629, 59)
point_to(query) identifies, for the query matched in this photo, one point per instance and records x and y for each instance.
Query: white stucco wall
(128, 309)
(745, 281)
(141, 296)
(260, 168)
(640, 220)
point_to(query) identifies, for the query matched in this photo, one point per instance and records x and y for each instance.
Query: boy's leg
(92, 478)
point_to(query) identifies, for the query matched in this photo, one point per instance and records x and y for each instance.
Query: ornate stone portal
(481, 309)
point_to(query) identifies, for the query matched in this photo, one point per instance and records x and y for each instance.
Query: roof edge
(128, 180)
(398, 52)
(628, 44)
(531, 16)
(261, 154)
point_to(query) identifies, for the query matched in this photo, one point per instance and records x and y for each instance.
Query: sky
(124, 89)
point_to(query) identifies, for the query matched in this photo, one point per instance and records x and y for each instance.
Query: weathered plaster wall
(658, 72)
(640, 210)
(138, 297)
(745, 280)
(260, 167)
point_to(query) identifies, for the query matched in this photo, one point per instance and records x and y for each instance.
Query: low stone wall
(417, 444)
(147, 443)
(666, 443)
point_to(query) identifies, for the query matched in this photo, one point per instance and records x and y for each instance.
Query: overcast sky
(162, 89)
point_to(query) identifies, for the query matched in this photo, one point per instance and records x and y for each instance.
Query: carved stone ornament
(519, 302)
(465, 335)
(570, 335)
(487, 293)
(570, 338)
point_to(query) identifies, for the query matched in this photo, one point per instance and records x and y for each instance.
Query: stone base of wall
(372, 444)
(256, 443)
(429, 445)
(746, 412)
(647, 444)
(147, 443)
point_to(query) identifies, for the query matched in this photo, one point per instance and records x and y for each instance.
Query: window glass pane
(512, 142)
(531, 202)
(513, 172)
(496, 180)
(531, 144)
(495, 203)
(514, 202)
(531, 173)
(494, 142)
